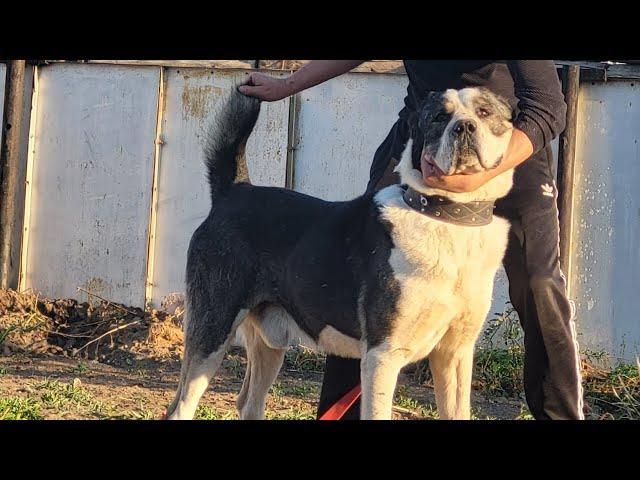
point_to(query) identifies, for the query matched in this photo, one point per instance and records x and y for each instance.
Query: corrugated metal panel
(605, 251)
(183, 201)
(340, 125)
(91, 187)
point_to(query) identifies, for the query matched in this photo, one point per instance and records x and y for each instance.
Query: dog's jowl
(390, 278)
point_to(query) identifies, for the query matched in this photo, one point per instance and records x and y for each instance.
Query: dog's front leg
(380, 367)
(452, 369)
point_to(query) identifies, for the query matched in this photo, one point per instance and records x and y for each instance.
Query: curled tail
(234, 123)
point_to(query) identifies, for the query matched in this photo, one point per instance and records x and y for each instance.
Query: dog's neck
(472, 214)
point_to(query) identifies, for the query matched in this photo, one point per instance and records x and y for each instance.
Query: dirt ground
(94, 390)
(61, 359)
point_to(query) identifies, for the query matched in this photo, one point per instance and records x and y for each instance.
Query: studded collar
(477, 213)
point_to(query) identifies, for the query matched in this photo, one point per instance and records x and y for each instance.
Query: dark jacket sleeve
(541, 105)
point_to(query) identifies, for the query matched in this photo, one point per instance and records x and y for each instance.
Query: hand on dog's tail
(233, 124)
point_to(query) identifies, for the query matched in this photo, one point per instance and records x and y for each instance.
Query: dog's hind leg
(263, 366)
(201, 358)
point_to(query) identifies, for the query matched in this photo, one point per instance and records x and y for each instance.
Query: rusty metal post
(9, 170)
(566, 163)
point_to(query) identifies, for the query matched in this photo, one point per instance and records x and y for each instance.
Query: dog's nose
(468, 126)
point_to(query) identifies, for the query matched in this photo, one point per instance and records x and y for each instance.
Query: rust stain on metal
(195, 99)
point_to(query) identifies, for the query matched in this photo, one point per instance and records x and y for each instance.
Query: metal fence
(115, 184)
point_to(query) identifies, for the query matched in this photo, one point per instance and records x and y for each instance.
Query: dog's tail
(227, 140)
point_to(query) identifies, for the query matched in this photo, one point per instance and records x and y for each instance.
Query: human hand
(265, 87)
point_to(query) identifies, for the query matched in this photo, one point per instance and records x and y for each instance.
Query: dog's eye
(441, 117)
(483, 112)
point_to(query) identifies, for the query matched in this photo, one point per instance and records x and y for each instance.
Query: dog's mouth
(429, 166)
(467, 161)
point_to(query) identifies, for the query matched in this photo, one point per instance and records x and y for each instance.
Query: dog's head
(459, 132)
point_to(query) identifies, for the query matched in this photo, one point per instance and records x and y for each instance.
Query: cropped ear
(412, 124)
(416, 137)
(416, 151)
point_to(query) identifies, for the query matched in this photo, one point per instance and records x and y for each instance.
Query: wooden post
(9, 172)
(566, 163)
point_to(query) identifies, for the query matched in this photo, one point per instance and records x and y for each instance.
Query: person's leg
(341, 375)
(535, 356)
(538, 292)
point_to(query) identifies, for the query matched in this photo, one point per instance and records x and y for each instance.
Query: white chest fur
(445, 271)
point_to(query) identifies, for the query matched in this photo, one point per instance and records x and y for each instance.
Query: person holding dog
(537, 286)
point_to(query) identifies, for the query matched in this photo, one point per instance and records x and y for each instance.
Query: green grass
(80, 369)
(205, 412)
(615, 394)
(303, 390)
(16, 408)
(499, 371)
(277, 390)
(293, 413)
(525, 414)
(303, 359)
(67, 398)
(55, 394)
(404, 401)
(236, 364)
(142, 414)
(3, 371)
(624, 373)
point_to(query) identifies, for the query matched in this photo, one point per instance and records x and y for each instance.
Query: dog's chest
(443, 270)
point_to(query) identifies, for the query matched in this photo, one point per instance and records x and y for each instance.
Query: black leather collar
(441, 208)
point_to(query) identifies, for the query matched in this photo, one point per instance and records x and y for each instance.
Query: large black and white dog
(390, 278)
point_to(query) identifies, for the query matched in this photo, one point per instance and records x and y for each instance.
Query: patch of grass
(411, 405)
(499, 360)
(277, 390)
(3, 371)
(624, 373)
(16, 408)
(595, 356)
(302, 389)
(615, 393)
(139, 415)
(236, 364)
(524, 414)
(205, 412)
(80, 369)
(499, 371)
(56, 394)
(504, 330)
(303, 359)
(293, 413)
(64, 397)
